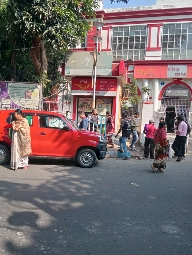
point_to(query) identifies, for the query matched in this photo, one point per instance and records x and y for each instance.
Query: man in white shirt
(180, 138)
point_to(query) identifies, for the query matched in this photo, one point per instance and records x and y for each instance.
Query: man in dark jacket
(134, 126)
(84, 121)
(125, 128)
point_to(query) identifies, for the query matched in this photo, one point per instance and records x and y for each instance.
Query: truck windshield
(73, 123)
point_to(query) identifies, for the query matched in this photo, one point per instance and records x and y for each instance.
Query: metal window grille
(129, 42)
(177, 41)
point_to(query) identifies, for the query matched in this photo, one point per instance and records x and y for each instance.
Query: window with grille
(177, 41)
(129, 42)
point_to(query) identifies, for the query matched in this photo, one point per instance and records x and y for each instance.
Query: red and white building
(152, 44)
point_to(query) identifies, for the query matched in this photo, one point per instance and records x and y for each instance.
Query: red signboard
(150, 71)
(102, 84)
(163, 71)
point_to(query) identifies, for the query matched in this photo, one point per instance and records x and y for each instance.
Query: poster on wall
(19, 95)
(103, 105)
(85, 105)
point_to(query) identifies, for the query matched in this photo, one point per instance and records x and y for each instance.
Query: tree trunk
(38, 56)
(13, 65)
(43, 58)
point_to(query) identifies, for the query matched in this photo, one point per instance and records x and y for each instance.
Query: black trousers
(183, 147)
(179, 145)
(149, 147)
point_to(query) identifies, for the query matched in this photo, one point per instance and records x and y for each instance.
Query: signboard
(81, 63)
(155, 71)
(16, 95)
(177, 71)
(176, 93)
(104, 87)
(162, 71)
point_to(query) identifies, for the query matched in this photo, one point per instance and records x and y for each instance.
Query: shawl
(160, 135)
(24, 138)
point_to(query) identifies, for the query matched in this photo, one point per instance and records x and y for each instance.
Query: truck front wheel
(86, 158)
(4, 155)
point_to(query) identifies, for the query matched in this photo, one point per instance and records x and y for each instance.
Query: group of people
(91, 123)
(157, 144)
(85, 120)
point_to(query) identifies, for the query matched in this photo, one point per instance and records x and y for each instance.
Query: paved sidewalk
(171, 138)
(139, 154)
(112, 152)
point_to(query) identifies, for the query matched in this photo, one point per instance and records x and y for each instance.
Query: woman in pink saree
(21, 141)
(161, 148)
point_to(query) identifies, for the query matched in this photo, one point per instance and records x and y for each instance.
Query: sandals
(153, 168)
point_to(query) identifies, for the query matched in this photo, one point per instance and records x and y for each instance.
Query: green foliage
(35, 34)
(59, 23)
(134, 99)
(145, 90)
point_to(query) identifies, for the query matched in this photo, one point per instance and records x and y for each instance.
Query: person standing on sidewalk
(94, 120)
(120, 139)
(126, 129)
(180, 138)
(109, 129)
(149, 140)
(161, 148)
(84, 122)
(134, 127)
(184, 144)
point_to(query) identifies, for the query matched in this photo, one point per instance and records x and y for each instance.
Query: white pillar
(155, 94)
(145, 85)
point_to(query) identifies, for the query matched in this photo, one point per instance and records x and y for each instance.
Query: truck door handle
(42, 133)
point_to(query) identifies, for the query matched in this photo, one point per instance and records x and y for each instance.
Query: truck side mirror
(66, 128)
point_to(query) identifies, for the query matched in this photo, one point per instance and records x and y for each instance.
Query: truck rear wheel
(86, 158)
(5, 155)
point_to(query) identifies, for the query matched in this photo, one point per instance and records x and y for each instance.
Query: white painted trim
(160, 18)
(152, 58)
(153, 53)
(117, 107)
(160, 35)
(155, 94)
(154, 37)
(104, 39)
(97, 93)
(84, 72)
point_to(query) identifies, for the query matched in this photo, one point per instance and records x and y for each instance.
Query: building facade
(152, 44)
